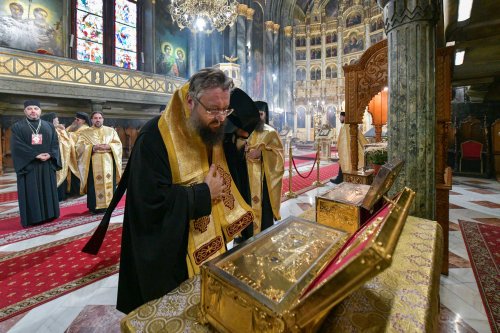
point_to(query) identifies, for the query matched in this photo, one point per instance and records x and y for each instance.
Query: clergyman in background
(99, 155)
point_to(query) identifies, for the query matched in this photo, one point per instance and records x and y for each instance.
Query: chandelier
(204, 15)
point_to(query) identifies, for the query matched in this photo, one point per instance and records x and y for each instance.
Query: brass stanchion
(317, 182)
(290, 193)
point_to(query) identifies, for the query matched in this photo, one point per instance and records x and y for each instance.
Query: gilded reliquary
(348, 205)
(288, 278)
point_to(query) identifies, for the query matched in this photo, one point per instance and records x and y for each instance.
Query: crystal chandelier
(204, 15)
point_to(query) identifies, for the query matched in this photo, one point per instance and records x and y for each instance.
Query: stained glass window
(89, 31)
(126, 34)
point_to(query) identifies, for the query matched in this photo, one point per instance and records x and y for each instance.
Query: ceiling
(479, 36)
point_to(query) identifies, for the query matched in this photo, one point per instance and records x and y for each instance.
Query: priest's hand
(254, 154)
(43, 157)
(215, 183)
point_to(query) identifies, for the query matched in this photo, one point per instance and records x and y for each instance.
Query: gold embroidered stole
(65, 147)
(102, 163)
(72, 162)
(189, 164)
(272, 167)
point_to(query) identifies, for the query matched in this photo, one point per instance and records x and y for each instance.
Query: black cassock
(36, 180)
(156, 222)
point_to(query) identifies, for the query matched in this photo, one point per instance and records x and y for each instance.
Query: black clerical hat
(162, 108)
(84, 116)
(245, 115)
(49, 116)
(262, 106)
(30, 102)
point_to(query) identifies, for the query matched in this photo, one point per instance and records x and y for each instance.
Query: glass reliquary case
(348, 205)
(288, 278)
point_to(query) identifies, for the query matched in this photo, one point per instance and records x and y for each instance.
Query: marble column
(367, 33)
(200, 37)
(232, 41)
(249, 52)
(411, 27)
(340, 72)
(148, 48)
(193, 56)
(241, 39)
(288, 66)
(276, 64)
(268, 63)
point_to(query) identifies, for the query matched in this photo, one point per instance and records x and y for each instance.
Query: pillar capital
(401, 12)
(276, 28)
(288, 30)
(249, 13)
(269, 25)
(242, 9)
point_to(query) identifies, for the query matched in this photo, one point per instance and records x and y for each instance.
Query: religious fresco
(376, 24)
(32, 25)
(171, 44)
(353, 43)
(353, 19)
(374, 39)
(257, 65)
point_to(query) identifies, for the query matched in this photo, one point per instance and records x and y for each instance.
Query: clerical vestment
(73, 174)
(189, 163)
(266, 174)
(66, 149)
(344, 148)
(104, 164)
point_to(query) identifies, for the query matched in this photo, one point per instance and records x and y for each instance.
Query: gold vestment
(102, 163)
(189, 164)
(66, 146)
(72, 162)
(344, 148)
(271, 166)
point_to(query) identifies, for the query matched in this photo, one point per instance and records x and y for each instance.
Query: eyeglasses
(215, 112)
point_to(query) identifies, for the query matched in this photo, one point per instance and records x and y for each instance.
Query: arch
(363, 80)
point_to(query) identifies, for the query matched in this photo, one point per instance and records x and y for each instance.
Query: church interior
(418, 81)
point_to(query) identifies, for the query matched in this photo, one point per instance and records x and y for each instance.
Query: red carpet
(35, 276)
(8, 196)
(300, 184)
(483, 245)
(71, 216)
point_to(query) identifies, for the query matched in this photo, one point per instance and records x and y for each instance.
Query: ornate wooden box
(348, 205)
(288, 278)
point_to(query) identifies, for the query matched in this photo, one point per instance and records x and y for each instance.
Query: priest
(266, 166)
(81, 122)
(66, 150)
(182, 206)
(35, 153)
(99, 155)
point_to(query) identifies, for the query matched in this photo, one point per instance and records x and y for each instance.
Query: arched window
(318, 74)
(102, 40)
(328, 73)
(313, 74)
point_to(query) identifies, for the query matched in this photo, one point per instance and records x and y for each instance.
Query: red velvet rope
(312, 169)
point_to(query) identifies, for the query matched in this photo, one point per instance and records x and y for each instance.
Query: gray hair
(208, 78)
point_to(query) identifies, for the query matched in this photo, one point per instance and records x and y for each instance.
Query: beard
(260, 125)
(209, 136)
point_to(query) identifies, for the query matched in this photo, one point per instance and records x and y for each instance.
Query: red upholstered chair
(471, 150)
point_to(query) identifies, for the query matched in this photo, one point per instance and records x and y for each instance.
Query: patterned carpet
(483, 246)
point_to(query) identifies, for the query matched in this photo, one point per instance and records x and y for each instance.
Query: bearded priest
(35, 153)
(99, 155)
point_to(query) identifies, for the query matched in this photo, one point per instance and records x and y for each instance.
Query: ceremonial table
(403, 298)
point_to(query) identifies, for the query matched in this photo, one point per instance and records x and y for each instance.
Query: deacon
(66, 150)
(265, 171)
(182, 206)
(35, 153)
(81, 122)
(344, 150)
(235, 140)
(99, 155)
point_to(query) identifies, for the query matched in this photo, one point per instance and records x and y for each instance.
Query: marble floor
(91, 308)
